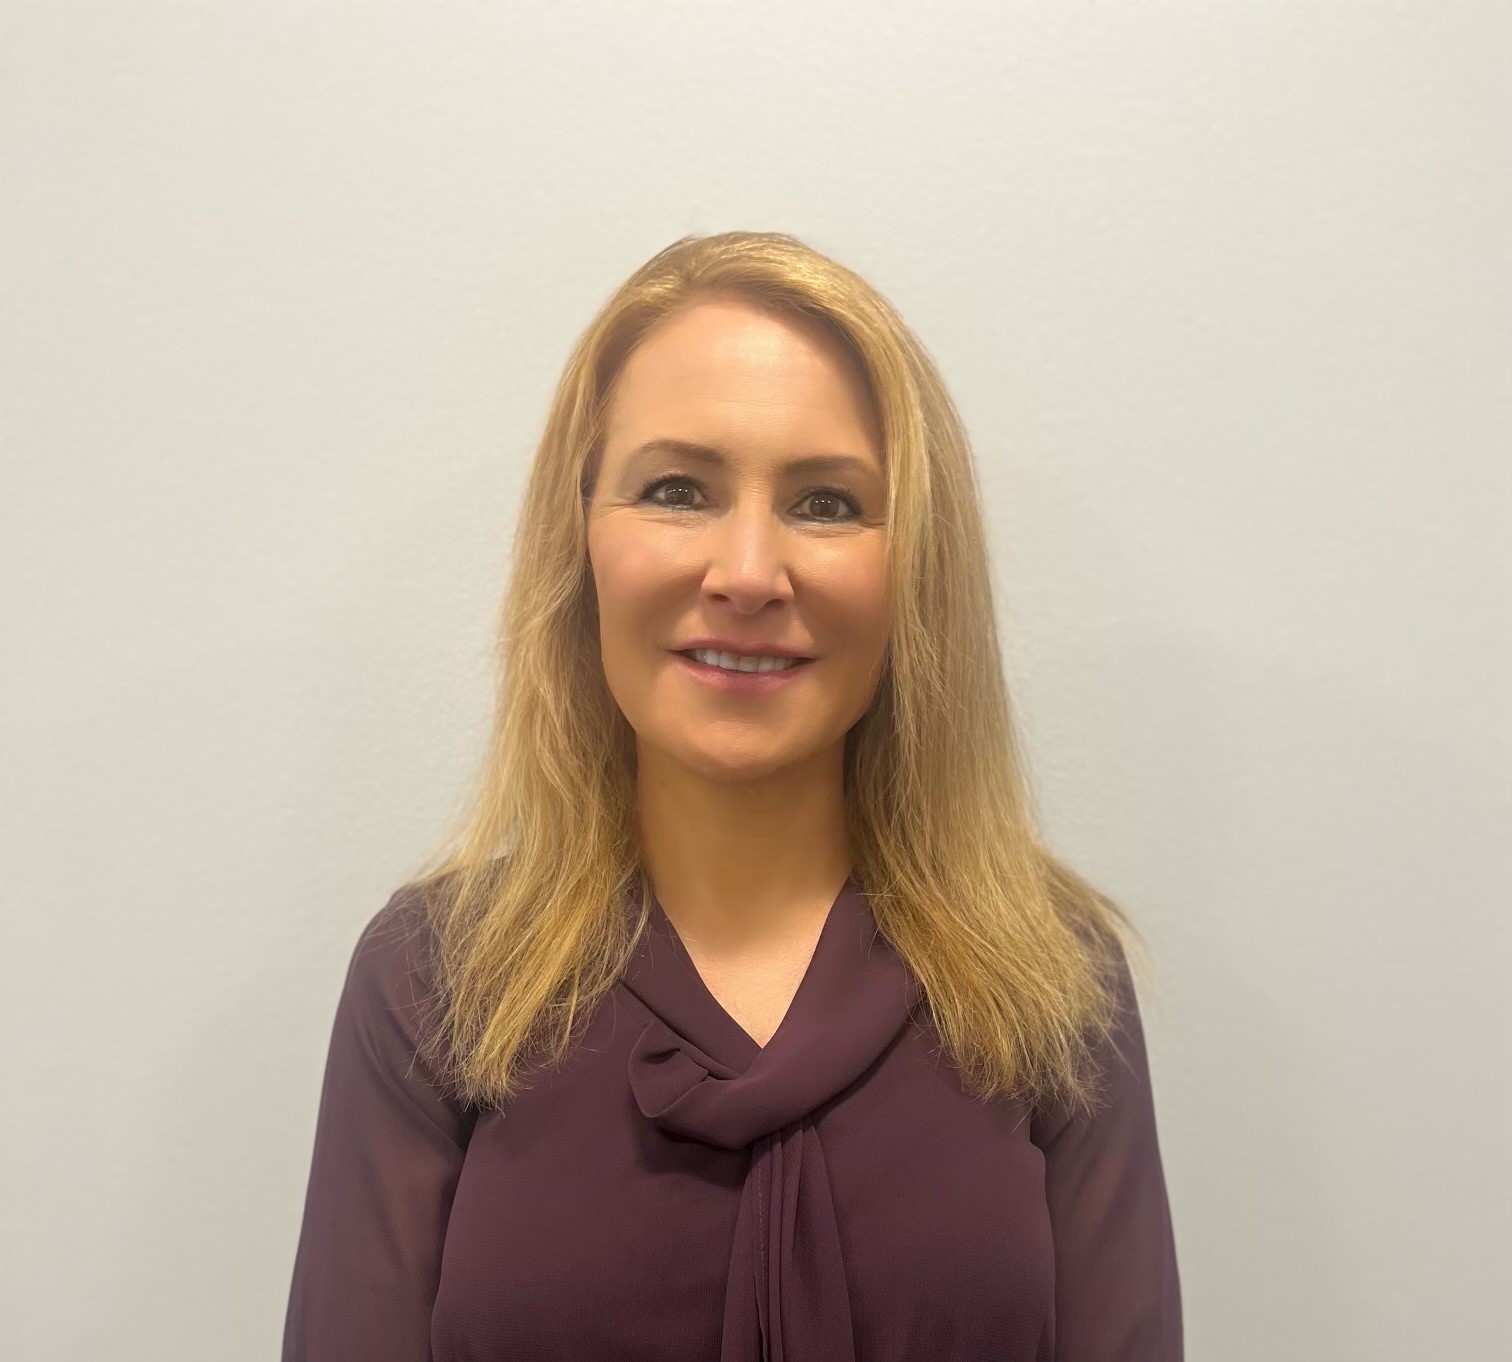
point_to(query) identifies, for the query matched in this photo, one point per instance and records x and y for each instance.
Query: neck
(738, 863)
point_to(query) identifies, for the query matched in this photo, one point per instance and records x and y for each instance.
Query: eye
(678, 480)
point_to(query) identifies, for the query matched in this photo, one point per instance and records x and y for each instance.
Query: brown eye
(668, 482)
(821, 493)
(827, 494)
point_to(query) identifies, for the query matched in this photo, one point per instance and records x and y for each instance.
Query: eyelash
(846, 497)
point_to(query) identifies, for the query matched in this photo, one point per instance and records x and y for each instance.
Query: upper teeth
(736, 662)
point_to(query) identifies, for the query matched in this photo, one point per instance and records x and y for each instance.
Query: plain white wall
(1223, 291)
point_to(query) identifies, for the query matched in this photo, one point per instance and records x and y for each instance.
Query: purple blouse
(675, 1192)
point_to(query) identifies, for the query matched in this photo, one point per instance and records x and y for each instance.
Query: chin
(733, 767)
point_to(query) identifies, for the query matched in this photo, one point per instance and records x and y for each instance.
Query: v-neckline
(717, 1009)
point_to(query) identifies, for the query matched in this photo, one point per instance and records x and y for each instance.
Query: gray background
(1223, 293)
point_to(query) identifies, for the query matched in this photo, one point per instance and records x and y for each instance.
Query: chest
(579, 1230)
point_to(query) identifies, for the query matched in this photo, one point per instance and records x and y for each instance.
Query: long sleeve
(1117, 1289)
(389, 1148)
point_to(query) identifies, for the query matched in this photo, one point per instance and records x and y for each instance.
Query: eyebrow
(712, 454)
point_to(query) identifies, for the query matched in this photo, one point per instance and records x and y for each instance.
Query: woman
(832, 1058)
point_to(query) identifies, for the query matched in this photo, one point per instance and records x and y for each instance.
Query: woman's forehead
(730, 369)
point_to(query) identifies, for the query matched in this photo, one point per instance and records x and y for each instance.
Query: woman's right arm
(388, 1152)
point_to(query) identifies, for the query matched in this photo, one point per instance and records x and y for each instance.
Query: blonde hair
(1016, 953)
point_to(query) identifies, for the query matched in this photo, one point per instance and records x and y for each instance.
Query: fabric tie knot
(696, 1074)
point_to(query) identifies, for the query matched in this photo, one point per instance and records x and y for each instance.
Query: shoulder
(397, 931)
(1118, 1067)
(390, 1034)
(1108, 951)
(390, 976)
(1119, 1048)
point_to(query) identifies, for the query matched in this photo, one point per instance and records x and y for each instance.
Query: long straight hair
(524, 898)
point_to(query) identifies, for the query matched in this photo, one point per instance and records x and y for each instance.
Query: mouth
(795, 664)
(737, 681)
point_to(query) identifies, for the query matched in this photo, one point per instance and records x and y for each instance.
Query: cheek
(861, 593)
(624, 572)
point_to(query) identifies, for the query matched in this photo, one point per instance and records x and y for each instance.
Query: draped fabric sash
(696, 1073)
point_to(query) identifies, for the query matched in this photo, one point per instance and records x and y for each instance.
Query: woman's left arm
(1117, 1288)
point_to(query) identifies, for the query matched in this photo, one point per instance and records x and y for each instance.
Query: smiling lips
(713, 643)
(712, 657)
(741, 661)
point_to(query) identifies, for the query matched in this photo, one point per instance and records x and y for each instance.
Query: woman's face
(744, 546)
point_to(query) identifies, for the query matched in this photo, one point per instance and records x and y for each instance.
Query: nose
(749, 555)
